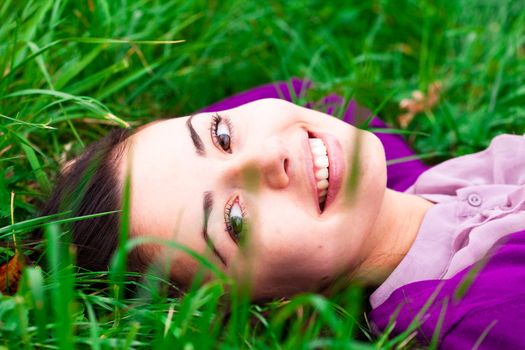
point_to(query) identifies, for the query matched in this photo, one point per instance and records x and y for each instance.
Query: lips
(336, 170)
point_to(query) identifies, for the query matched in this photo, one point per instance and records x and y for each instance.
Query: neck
(392, 235)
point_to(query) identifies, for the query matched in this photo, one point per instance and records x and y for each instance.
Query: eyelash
(216, 120)
(227, 212)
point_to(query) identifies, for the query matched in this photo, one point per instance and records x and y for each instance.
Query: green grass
(71, 69)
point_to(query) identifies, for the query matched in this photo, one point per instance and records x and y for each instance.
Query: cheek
(290, 261)
(373, 169)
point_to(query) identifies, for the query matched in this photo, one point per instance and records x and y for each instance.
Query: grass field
(70, 70)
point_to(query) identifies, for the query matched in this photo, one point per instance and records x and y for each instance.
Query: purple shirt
(479, 199)
(483, 305)
(463, 279)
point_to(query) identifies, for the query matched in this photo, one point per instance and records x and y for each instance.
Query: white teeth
(322, 185)
(321, 174)
(317, 146)
(321, 161)
(315, 141)
(321, 164)
(318, 151)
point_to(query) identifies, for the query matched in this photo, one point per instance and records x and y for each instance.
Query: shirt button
(474, 199)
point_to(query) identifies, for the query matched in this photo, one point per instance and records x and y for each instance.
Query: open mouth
(321, 167)
(328, 170)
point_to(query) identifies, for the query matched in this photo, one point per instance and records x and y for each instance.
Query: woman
(291, 200)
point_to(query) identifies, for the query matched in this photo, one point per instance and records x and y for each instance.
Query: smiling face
(202, 180)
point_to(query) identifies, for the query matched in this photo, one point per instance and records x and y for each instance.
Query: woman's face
(240, 186)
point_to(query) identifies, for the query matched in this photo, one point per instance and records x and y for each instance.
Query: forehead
(164, 194)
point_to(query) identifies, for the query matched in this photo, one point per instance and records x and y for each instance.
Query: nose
(267, 162)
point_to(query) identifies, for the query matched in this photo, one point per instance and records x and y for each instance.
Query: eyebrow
(197, 141)
(208, 207)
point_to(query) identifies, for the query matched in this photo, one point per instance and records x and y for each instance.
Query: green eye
(235, 220)
(236, 224)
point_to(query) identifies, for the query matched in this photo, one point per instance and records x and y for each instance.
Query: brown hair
(89, 185)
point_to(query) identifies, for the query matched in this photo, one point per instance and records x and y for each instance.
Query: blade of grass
(41, 64)
(89, 103)
(94, 330)
(41, 176)
(34, 283)
(62, 281)
(75, 67)
(31, 224)
(23, 321)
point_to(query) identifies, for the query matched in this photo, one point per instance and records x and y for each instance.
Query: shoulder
(507, 146)
(503, 162)
(483, 304)
(507, 139)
